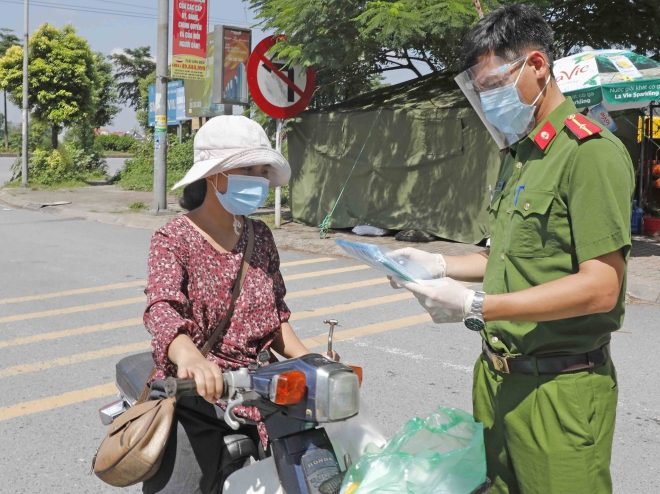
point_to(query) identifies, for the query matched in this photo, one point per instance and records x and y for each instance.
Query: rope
(324, 224)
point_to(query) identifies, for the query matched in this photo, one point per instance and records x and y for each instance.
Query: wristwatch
(475, 320)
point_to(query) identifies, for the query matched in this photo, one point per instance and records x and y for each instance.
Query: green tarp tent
(426, 166)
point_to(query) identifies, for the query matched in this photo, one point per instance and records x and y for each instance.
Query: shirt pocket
(532, 233)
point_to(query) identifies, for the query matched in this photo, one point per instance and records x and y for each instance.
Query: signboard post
(279, 93)
(189, 39)
(230, 85)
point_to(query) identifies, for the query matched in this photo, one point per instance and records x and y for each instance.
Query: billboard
(189, 35)
(235, 45)
(199, 94)
(174, 88)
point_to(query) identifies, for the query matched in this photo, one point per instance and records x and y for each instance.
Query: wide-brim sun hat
(228, 142)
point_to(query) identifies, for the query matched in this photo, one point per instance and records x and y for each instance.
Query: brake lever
(230, 417)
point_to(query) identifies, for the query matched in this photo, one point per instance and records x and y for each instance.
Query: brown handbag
(133, 448)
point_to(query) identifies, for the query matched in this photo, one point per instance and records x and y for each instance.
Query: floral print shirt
(189, 289)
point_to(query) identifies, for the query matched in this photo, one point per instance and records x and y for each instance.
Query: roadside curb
(285, 238)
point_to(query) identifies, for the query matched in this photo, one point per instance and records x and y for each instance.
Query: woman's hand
(207, 375)
(192, 365)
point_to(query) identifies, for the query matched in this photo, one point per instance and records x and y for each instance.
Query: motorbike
(301, 402)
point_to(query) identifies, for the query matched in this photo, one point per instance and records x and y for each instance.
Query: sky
(110, 26)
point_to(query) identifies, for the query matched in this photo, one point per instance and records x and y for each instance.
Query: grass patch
(137, 206)
(268, 219)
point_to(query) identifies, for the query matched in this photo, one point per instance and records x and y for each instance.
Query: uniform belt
(556, 364)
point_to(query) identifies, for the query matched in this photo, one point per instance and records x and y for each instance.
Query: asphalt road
(53, 382)
(114, 165)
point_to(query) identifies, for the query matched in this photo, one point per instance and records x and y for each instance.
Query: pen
(520, 187)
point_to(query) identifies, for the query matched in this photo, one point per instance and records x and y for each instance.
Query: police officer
(545, 386)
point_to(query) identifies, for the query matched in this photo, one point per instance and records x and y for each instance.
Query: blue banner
(172, 91)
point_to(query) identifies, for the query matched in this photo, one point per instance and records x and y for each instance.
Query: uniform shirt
(575, 206)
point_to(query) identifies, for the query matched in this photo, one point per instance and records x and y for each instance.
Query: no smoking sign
(280, 92)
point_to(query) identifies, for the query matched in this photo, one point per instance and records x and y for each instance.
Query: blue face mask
(503, 109)
(245, 194)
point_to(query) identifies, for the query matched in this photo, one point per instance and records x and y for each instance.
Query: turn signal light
(288, 388)
(358, 371)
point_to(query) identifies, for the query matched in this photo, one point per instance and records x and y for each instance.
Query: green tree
(631, 24)
(351, 43)
(7, 40)
(62, 78)
(131, 67)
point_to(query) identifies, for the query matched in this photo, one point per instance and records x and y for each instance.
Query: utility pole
(24, 170)
(160, 134)
(278, 190)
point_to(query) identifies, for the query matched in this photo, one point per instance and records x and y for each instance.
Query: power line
(116, 13)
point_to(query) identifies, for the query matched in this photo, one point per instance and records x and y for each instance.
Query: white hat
(228, 142)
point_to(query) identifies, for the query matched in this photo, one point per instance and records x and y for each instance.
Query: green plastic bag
(442, 454)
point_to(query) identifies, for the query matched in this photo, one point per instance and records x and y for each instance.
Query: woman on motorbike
(194, 262)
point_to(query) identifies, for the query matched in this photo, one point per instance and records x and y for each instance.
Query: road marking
(306, 261)
(128, 301)
(335, 288)
(138, 320)
(328, 272)
(79, 291)
(71, 332)
(72, 310)
(82, 395)
(348, 334)
(361, 304)
(145, 345)
(119, 286)
(73, 359)
(59, 401)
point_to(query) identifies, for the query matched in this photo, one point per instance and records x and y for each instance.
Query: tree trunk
(6, 124)
(53, 136)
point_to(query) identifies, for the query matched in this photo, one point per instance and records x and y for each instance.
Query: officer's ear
(540, 65)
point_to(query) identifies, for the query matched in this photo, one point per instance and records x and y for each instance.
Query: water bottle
(636, 221)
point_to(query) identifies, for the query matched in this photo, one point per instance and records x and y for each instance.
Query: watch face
(474, 323)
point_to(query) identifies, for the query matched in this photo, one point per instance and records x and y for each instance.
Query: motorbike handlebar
(175, 387)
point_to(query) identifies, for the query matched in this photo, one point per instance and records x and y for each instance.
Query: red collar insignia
(545, 136)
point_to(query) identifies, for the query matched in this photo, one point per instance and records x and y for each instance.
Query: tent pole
(641, 162)
(278, 190)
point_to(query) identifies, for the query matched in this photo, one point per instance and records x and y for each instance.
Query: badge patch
(499, 186)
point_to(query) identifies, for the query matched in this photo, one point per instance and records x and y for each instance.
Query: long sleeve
(168, 313)
(279, 287)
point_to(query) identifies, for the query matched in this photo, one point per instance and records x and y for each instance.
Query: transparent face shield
(490, 87)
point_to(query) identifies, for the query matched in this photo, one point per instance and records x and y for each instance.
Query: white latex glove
(445, 299)
(434, 263)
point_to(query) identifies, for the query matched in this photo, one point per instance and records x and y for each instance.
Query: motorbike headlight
(344, 395)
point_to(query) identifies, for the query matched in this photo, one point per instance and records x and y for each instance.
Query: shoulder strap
(222, 325)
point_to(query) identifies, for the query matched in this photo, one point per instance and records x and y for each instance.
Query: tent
(426, 163)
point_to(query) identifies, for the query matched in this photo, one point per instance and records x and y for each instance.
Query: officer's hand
(446, 300)
(434, 263)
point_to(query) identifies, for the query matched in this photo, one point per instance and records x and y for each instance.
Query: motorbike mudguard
(260, 477)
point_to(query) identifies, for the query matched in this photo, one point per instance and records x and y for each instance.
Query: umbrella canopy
(619, 79)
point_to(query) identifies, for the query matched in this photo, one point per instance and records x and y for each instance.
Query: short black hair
(508, 32)
(193, 195)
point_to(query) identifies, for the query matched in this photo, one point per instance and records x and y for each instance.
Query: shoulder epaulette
(581, 126)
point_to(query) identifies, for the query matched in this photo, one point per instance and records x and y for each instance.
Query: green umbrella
(619, 79)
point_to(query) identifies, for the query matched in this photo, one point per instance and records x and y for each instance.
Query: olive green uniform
(552, 434)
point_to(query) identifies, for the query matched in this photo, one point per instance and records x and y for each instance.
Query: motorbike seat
(236, 451)
(132, 373)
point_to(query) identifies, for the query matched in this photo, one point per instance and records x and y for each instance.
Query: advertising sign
(172, 90)
(200, 94)
(279, 92)
(189, 34)
(230, 85)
